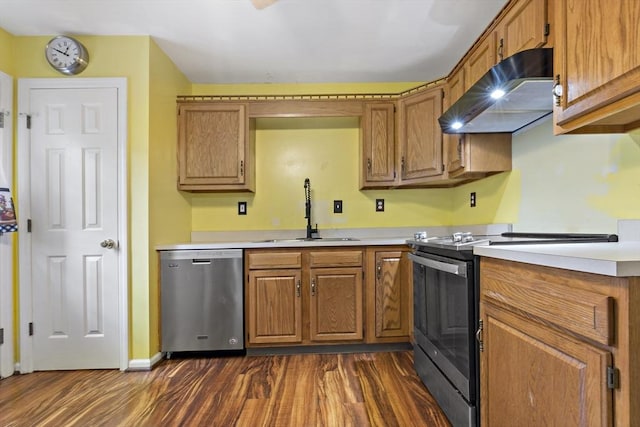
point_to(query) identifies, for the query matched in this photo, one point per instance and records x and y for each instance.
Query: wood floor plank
(363, 389)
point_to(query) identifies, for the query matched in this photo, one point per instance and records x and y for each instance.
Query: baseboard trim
(328, 349)
(144, 364)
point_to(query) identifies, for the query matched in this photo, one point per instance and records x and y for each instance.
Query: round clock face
(67, 55)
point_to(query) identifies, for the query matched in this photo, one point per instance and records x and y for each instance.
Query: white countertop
(621, 259)
(285, 243)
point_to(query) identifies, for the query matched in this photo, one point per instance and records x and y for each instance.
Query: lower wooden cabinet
(389, 294)
(336, 304)
(304, 297)
(275, 314)
(315, 296)
(559, 347)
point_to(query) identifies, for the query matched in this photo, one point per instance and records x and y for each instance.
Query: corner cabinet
(597, 66)
(389, 293)
(378, 160)
(558, 347)
(215, 147)
(420, 137)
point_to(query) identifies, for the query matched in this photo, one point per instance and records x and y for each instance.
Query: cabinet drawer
(335, 258)
(550, 298)
(267, 260)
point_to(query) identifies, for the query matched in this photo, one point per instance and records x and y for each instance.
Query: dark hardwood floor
(363, 389)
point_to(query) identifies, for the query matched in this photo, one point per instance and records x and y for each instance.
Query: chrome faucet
(307, 205)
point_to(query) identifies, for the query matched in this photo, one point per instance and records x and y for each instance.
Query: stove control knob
(467, 237)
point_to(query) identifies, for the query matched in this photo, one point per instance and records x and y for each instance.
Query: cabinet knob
(557, 91)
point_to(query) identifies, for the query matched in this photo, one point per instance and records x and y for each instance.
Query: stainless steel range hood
(525, 79)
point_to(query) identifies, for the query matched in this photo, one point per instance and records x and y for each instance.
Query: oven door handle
(439, 265)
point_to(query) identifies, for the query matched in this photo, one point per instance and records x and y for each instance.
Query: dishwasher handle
(196, 261)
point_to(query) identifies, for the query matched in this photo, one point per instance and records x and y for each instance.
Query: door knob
(108, 243)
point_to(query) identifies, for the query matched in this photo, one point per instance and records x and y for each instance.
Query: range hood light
(497, 93)
(511, 95)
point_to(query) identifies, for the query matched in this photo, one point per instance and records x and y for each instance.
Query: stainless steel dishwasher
(202, 304)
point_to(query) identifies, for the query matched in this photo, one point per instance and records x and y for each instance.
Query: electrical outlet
(337, 206)
(379, 205)
(242, 208)
(472, 199)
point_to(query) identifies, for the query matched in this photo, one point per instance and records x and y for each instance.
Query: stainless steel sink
(313, 239)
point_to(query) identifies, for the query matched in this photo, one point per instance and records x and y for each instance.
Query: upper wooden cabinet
(378, 160)
(481, 58)
(477, 155)
(597, 65)
(524, 26)
(420, 136)
(215, 147)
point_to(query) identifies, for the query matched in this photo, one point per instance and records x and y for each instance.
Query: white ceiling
(291, 41)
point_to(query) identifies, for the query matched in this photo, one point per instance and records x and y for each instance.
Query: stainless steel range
(446, 313)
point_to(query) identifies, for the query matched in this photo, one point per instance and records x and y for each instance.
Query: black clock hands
(64, 53)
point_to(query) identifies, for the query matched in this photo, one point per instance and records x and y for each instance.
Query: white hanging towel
(8, 222)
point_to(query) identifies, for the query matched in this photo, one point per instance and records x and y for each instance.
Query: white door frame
(7, 355)
(24, 208)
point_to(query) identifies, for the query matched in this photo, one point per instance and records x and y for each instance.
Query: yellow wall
(566, 183)
(6, 52)
(325, 150)
(132, 54)
(169, 209)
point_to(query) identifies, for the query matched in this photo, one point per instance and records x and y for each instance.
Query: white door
(6, 241)
(74, 228)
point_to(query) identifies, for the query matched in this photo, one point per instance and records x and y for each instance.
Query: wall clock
(67, 55)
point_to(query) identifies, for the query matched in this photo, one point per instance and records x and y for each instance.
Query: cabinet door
(454, 90)
(597, 63)
(275, 309)
(336, 304)
(378, 145)
(534, 376)
(393, 294)
(523, 27)
(420, 137)
(481, 59)
(212, 147)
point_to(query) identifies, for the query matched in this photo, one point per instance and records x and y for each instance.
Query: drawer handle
(313, 287)
(298, 288)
